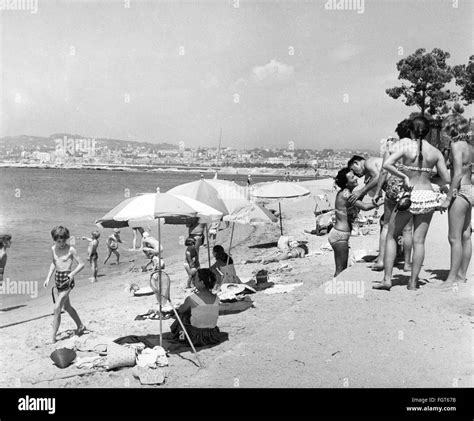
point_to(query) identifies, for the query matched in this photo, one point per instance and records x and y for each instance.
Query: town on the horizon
(66, 150)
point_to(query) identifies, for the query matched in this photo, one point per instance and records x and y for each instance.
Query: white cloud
(345, 52)
(272, 72)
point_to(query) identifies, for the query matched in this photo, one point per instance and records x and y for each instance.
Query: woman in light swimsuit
(345, 216)
(460, 197)
(418, 160)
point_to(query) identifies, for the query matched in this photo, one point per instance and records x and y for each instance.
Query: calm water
(33, 201)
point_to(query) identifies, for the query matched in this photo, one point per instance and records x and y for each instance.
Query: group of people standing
(418, 179)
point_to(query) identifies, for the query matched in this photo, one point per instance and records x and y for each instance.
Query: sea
(34, 200)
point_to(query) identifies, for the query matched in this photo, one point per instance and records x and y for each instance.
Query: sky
(267, 72)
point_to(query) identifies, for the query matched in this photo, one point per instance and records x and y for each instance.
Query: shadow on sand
(264, 245)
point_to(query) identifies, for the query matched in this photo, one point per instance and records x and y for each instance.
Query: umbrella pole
(208, 249)
(230, 245)
(281, 223)
(159, 281)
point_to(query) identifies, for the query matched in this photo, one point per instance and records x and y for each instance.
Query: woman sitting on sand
(418, 160)
(297, 249)
(199, 312)
(223, 268)
(460, 196)
(345, 214)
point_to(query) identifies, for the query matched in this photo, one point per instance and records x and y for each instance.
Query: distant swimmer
(112, 245)
(92, 253)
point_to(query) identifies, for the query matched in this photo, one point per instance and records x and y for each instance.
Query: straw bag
(120, 356)
(63, 357)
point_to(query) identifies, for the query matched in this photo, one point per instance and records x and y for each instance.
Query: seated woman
(199, 312)
(297, 249)
(346, 214)
(223, 268)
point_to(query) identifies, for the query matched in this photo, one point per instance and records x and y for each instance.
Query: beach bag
(63, 357)
(120, 356)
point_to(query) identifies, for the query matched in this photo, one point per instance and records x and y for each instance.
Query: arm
(367, 206)
(382, 177)
(80, 263)
(374, 173)
(389, 165)
(186, 306)
(456, 153)
(86, 238)
(52, 267)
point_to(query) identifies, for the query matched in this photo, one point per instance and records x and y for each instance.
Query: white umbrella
(279, 190)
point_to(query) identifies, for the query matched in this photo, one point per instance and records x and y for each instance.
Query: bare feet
(407, 267)
(385, 286)
(377, 267)
(412, 286)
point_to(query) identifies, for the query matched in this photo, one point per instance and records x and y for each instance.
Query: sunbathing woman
(345, 216)
(199, 312)
(223, 268)
(460, 196)
(418, 160)
(296, 249)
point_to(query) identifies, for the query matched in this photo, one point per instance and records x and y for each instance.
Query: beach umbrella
(278, 190)
(172, 209)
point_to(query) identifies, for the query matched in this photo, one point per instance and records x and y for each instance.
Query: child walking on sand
(112, 245)
(92, 254)
(191, 263)
(63, 256)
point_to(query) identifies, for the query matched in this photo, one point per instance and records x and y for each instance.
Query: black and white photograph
(236, 194)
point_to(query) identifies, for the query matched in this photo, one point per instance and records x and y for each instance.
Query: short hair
(190, 242)
(60, 231)
(354, 159)
(95, 234)
(404, 128)
(341, 178)
(456, 127)
(221, 254)
(208, 277)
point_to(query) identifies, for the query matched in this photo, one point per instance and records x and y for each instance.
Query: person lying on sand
(297, 249)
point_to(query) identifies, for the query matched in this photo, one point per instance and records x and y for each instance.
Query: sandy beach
(317, 335)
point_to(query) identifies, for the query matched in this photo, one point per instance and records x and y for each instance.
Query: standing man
(5, 242)
(370, 169)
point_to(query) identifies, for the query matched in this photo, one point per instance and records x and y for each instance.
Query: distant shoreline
(254, 171)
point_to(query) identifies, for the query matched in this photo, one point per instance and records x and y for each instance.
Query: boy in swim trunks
(92, 254)
(63, 256)
(112, 245)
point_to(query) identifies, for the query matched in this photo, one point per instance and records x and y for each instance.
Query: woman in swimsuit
(392, 186)
(460, 196)
(346, 214)
(418, 160)
(63, 256)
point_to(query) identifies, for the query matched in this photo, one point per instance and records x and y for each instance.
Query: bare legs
(341, 255)
(459, 216)
(421, 224)
(407, 245)
(398, 221)
(117, 254)
(63, 302)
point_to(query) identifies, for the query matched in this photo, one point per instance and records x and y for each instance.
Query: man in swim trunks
(92, 254)
(152, 249)
(5, 242)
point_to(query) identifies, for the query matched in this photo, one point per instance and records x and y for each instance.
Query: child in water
(63, 255)
(199, 312)
(92, 254)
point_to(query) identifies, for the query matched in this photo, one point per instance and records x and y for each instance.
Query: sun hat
(63, 357)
